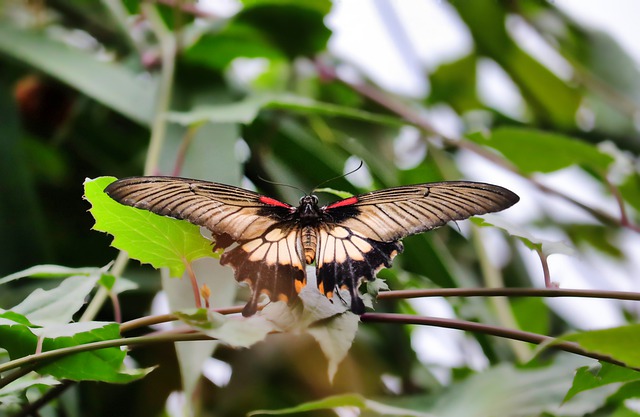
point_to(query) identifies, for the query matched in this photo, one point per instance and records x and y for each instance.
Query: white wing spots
(276, 247)
(274, 235)
(352, 251)
(272, 254)
(295, 249)
(284, 257)
(361, 244)
(260, 252)
(341, 254)
(339, 232)
(330, 249)
(252, 245)
(341, 245)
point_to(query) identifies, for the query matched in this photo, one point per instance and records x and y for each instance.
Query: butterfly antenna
(281, 184)
(339, 176)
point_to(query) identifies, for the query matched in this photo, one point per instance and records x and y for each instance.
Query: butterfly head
(308, 208)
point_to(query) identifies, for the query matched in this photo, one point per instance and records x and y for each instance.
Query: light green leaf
(331, 324)
(335, 337)
(341, 194)
(50, 271)
(620, 343)
(505, 390)
(157, 240)
(245, 111)
(234, 331)
(345, 400)
(536, 151)
(14, 391)
(112, 84)
(548, 247)
(58, 305)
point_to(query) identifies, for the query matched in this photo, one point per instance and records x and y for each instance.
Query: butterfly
(349, 240)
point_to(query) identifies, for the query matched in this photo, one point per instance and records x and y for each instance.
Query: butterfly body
(348, 240)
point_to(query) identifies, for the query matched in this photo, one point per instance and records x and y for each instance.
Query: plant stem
(101, 296)
(167, 43)
(493, 277)
(486, 329)
(37, 360)
(509, 292)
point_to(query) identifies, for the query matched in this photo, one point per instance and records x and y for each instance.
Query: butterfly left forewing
(393, 213)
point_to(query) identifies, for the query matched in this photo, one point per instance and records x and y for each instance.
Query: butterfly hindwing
(345, 258)
(271, 264)
(362, 232)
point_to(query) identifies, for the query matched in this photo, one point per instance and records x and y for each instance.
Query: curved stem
(34, 361)
(509, 292)
(486, 329)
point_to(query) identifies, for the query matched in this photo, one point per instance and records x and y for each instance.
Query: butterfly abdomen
(309, 244)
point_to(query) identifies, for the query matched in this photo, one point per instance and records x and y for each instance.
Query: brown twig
(509, 292)
(487, 329)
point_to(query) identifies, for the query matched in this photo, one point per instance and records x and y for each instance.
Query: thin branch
(194, 284)
(509, 292)
(50, 395)
(163, 318)
(45, 357)
(487, 329)
(168, 49)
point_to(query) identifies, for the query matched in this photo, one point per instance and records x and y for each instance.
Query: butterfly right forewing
(225, 210)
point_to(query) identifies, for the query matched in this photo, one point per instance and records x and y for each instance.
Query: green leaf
(111, 84)
(620, 343)
(156, 240)
(454, 83)
(587, 378)
(335, 337)
(536, 151)
(338, 193)
(50, 271)
(234, 331)
(98, 365)
(58, 305)
(14, 391)
(345, 400)
(548, 247)
(297, 28)
(245, 111)
(236, 40)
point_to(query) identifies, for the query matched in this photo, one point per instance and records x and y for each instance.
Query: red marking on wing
(273, 202)
(346, 202)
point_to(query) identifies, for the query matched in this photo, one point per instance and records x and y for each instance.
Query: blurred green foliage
(256, 95)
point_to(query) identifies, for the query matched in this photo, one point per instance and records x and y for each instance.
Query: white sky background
(415, 37)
